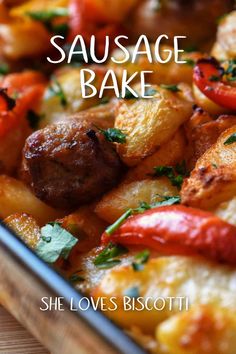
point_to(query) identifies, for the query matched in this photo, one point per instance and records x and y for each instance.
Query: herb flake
(140, 259)
(114, 135)
(231, 139)
(172, 88)
(55, 242)
(108, 257)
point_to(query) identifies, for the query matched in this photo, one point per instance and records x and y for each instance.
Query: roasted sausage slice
(69, 163)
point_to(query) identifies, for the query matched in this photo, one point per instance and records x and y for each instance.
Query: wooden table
(14, 339)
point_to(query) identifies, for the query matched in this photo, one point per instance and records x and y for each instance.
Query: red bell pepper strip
(208, 77)
(179, 230)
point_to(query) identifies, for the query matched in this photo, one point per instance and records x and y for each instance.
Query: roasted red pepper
(27, 88)
(179, 230)
(208, 77)
(87, 19)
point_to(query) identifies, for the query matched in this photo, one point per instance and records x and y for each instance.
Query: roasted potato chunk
(213, 180)
(129, 195)
(202, 330)
(227, 211)
(25, 227)
(199, 281)
(203, 131)
(15, 197)
(225, 47)
(149, 123)
(169, 154)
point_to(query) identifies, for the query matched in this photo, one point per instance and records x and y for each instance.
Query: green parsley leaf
(132, 292)
(167, 200)
(114, 135)
(46, 16)
(4, 69)
(150, 92)
(112, 228)
(55, 90)
(172, 173)
(173, 88)
(231, 139)
(189, 62)
(141, 258)
(55, 242)
(108, 257)
(75, 277)
(130, 96)
(191, 48)
(61, 29)
(230, 72)
(34, 119)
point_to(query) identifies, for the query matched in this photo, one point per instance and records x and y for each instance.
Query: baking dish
(25, 279)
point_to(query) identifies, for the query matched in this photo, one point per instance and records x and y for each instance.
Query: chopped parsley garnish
(189, 62)
(167, 200)
(33, 119)
(140, 259)
(112, 228)
(4, 69)
(104, 100)
(231, 139)
(47, 17)
(61, 29)
(55, 242)
(108, 257)
(230, 72)
(172, 88)
(132, 292)
(114, 135)
(76, 277)
(191, 48)
(55, 90)
(214, 165)
(170, 172)
(130, 95)
(150, 91)
(10, 102)
(214, 78)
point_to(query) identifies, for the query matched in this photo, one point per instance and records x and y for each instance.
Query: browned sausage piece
(70, 163)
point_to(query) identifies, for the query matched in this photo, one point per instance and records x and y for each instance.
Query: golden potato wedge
(213, 180)
(11, 146)
(14, 36)
(195, 279)
(226, 38)
(15, 197)
(149, 123)
(129, 195)
(202, 330)
(53, 110)
(169, 154)
(202, 132)
(25, 227)
(227, 211)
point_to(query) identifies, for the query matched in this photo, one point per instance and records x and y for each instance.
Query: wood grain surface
(14, 339)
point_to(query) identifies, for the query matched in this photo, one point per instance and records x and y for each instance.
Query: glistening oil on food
(118, 159)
